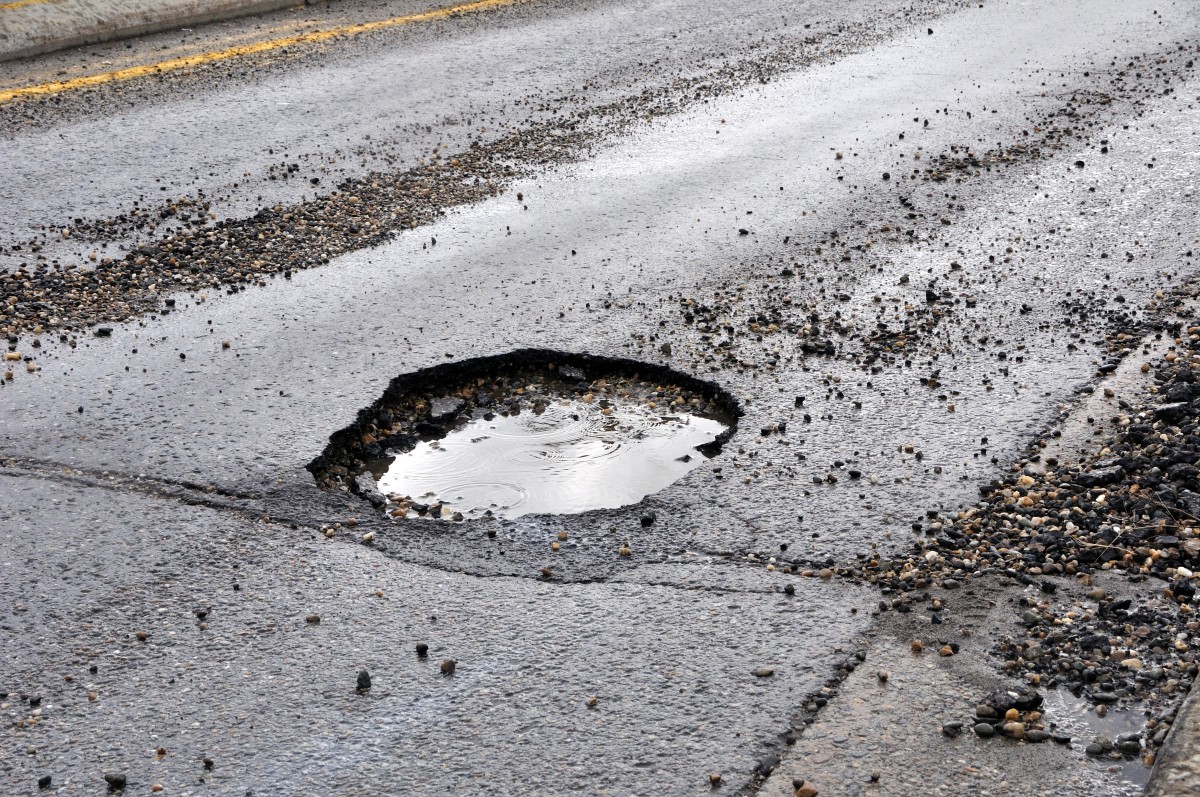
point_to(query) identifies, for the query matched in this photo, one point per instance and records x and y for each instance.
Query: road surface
(931, 220)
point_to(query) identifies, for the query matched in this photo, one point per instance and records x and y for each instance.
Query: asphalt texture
(903, 240)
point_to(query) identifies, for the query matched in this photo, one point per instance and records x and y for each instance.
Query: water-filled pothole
(534, 431)
(1077, 718)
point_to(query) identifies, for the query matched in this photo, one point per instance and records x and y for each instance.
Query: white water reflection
(569, 457)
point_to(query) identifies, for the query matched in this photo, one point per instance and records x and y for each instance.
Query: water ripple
(569, 457)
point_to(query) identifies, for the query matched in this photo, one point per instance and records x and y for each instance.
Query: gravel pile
(1130, 509)
(179, 246)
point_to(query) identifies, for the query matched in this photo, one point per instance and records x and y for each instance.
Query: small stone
(448, 666)
(764, 672)
(985, 730)
(946, 650)
(142, 636)
(805, 791)
(209, 763)
(115, 780)
(156, 787)
(592, 702)
(1036, 736)
(422, 650)
(1014, 729)
(625, 550)
(1097, 594)
(1012, 715)
(917, 646)
(648, 519)
(825, 573)
(44, 782)
(715, 779)
(313, 619)
(364, 681)
(883, 676)
(952, 729)
(1094, 749)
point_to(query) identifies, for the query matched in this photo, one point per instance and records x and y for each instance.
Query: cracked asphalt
(906, 239)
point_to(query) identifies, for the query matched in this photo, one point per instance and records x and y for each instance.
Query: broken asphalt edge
(1177, 771)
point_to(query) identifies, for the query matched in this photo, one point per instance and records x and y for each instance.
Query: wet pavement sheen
(597, 256)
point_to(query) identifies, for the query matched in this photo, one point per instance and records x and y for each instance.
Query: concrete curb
(43, 26)
(1177, 771)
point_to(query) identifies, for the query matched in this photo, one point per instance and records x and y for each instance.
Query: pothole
(530, 432)
(1079, 719)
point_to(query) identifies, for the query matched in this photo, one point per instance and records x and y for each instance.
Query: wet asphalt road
(154, 473)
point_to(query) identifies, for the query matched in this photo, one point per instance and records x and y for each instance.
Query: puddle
(1077, 718)
(568, 457)
(533, 431)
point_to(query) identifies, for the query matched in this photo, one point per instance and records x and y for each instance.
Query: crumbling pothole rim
(347, 450)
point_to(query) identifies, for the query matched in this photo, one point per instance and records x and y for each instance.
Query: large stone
(445, 407)
(365, 486)
(1100, 476)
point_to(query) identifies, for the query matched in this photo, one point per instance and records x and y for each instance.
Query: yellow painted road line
(20, 3)
(184, 62)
